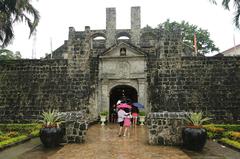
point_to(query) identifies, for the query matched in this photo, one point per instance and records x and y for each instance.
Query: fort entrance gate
(121, 73)
(119, 92)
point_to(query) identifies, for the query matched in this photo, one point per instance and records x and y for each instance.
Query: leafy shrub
(104, 113)
(214, 129)
(230, 142)
(210, 135)
(12, 140)
(1, 133)
(234, 136)
(142, 113)
(226, 134)
(3, 137)
(214, 132)
(17, 132)
(14, 130)
(20, 128)
(228, 127)
(35, 133)
(12, 134)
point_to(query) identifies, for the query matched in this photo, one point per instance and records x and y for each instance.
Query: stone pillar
(110, 27)
(71, 33)
(87, 28)
(135, 25)
(104, 96)
(141, 93)
(65, 54)
(70, 47)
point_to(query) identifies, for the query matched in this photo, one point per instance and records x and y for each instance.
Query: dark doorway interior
(120, 92)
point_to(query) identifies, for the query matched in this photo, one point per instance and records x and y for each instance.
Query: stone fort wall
(27, 87)
(196, 83)
(175, 84)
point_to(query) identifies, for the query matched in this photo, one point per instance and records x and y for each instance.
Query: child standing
(135, 112)
(127, 123)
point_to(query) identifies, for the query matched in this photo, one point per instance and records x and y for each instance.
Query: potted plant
(103, 117)
(142, 116)
(50, 133)
(194, 135)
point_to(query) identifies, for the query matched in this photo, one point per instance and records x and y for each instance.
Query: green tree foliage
(204, 43)
(13, 11)
(236, 8)
(9, 55)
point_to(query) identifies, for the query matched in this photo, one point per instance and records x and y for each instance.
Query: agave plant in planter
(194, 135)
(50, 133)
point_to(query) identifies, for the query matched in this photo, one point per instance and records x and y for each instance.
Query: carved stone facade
(116, 68)
(119, 63)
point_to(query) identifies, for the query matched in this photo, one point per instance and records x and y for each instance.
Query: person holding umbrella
(121, 116)
(135, 111)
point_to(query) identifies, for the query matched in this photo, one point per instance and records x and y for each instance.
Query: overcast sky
(58, 15)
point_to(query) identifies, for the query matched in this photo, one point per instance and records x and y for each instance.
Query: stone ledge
(166, 114)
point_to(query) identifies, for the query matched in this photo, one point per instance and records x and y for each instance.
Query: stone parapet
(165, 128)
(75, 126)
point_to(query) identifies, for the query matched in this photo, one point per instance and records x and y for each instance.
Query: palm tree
(12, 11)
(236, 5)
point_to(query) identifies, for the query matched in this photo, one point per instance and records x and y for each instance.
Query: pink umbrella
(124, 105)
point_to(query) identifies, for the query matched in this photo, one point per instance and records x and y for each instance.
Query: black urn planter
(51, 137)
(194, 138)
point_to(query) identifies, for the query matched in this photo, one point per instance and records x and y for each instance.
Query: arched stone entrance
(121, 72)
(119, 92)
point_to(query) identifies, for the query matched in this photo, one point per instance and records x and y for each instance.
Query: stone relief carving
(124, 69)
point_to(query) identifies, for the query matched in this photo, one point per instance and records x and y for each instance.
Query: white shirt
(121, 115)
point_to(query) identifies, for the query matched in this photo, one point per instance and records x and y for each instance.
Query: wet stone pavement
(104, 143)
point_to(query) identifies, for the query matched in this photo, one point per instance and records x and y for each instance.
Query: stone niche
(165, 128)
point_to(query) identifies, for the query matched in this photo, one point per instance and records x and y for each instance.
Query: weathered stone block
(167, 132)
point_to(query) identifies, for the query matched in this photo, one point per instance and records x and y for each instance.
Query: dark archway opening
(120, 92)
